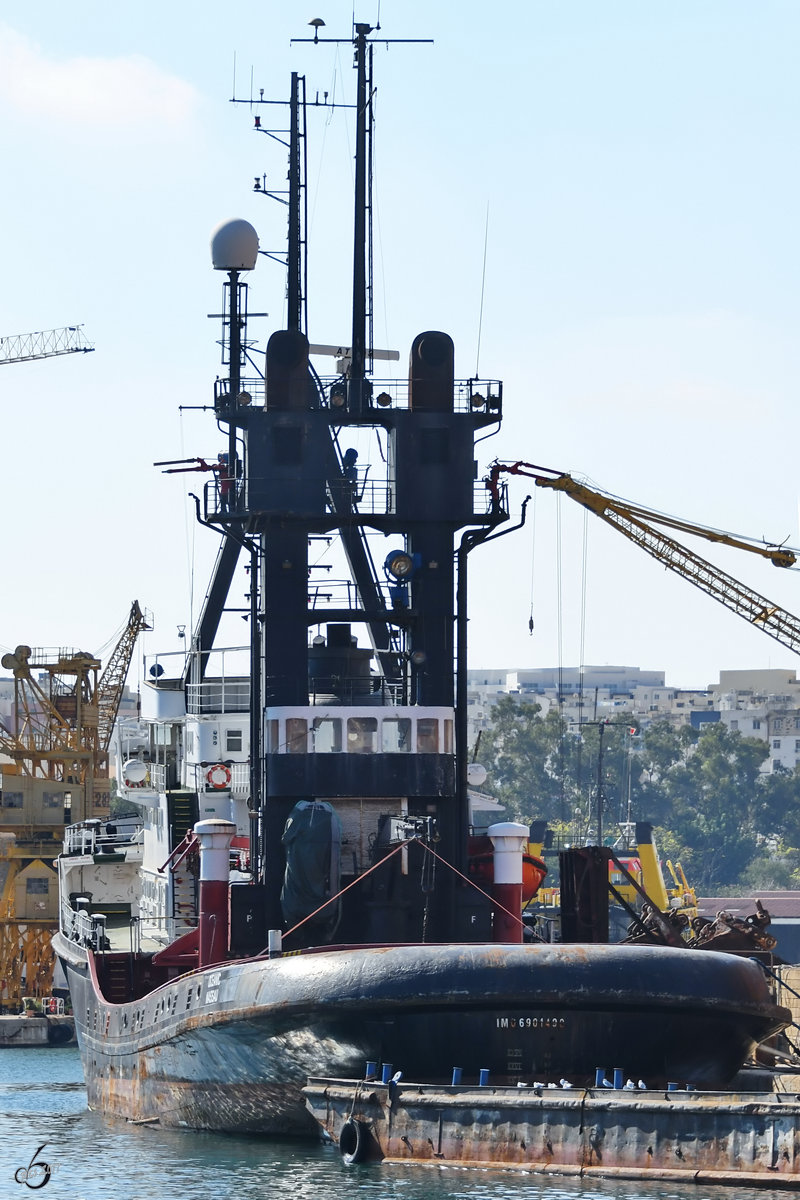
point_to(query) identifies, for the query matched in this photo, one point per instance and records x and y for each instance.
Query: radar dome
(234, 246)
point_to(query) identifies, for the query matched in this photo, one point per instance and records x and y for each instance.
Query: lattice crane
(57, 745)
(636, 523)
(112, 681)
(24, 347)
(63, 730)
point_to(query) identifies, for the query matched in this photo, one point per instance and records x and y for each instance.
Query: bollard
(371, 1071)
(599, 1076)
(672, 1087)
(483, 1077)
(386, 1072)
(456, 1076)
(619, 1077)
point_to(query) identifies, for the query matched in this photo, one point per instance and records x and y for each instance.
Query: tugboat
(304, 903)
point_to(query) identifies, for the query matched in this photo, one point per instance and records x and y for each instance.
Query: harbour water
(43, 1108)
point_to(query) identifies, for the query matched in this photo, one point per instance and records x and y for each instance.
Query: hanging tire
(353, 1142)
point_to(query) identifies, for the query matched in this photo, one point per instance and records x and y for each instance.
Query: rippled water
(42, 1102)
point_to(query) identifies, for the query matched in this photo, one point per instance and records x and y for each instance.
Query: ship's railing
(41, 656)
(341, 593)
(79, 925)
(342, 689)
(85, 928)
(477, 396)
(368, 495)
(218, 776)
(158, 776)
(49, 1006)
(218, 696)
(95, 837)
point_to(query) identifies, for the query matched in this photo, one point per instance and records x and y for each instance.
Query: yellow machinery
(636, 523)
(54, 772)
(644, 867)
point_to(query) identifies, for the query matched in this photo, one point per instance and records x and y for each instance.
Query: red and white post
(215, 843)
(509, 840)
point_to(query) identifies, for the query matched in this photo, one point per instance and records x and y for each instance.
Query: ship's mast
(358, 399)
(359, 392)
(295, 289)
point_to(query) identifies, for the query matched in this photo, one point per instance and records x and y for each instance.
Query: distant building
(761, 703)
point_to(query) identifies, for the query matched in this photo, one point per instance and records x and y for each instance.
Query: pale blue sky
(638, 159)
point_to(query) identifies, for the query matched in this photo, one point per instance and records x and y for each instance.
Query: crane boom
(112, 682)
(633, 522)
(23, 347)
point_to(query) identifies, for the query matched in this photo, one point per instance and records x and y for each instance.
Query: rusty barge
(320, 910)
(749, 1139)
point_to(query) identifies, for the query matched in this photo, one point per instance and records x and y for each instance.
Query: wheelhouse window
(362, 735)
(428, 735)
(326, 735)
(396, 735)
(296, 735)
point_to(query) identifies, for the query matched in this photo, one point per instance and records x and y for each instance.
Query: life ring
(219, 776)
(353, 1142)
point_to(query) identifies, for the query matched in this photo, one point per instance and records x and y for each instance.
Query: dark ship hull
(230, 1047)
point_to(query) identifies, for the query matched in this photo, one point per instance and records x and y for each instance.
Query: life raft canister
(219, 776)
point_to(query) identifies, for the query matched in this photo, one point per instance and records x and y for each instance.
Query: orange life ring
(219, 776)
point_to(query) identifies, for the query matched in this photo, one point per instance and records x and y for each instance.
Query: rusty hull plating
(741, 1138)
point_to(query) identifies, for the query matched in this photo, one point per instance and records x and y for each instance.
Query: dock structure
(710, 1137)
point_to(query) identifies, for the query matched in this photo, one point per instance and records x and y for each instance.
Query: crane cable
(533, 563)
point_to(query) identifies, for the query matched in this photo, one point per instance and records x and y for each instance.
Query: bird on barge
(334, 774)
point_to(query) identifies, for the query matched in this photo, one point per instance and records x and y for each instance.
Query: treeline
(732, 827)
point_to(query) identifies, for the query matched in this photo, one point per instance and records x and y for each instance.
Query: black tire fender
(353, 1140)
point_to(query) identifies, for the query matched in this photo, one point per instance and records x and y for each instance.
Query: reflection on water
(42, 1101)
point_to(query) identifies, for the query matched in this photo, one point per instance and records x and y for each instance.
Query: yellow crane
(54, 772)
(636, 523)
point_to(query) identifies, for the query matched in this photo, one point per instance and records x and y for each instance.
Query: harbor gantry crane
(636, 523)
(24, 347)
(54, 772)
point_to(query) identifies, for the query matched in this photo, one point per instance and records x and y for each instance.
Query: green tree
(521, 752)
(713, 809)
(717, 805)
